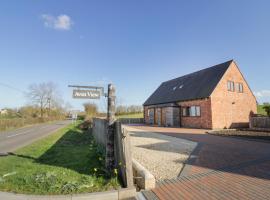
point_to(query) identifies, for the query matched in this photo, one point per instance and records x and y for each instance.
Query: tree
(45, 96)
(120, 110)
(29, 111)
(266, 107)
(90, 109)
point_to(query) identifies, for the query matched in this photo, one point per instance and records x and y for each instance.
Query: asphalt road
(12, 140)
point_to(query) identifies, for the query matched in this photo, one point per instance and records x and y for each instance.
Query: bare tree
(121, 109)
(90, 109)
(45, 96)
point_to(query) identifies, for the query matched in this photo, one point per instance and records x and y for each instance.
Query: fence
(122, 148)
(260, 122)
(131, 120)
(100, 131)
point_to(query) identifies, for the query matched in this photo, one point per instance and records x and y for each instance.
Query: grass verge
(65, 162)
(135, 115)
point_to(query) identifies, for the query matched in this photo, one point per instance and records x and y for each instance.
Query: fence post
(111, 129)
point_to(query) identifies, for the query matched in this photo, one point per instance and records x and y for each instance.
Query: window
(185, 111)
(198, 111)
(239, 87)
(230, 86)
(193, 111)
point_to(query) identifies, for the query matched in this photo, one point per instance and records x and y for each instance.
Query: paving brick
(224, 168)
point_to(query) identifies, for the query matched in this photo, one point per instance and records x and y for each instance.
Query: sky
(135, 45)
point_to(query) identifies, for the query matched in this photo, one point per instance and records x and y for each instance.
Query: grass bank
(66, 162)
(134, 115)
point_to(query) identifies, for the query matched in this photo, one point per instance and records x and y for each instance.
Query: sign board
(86, 94)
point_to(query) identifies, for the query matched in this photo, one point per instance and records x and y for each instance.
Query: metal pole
(110, 135)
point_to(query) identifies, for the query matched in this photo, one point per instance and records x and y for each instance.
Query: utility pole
(49, 102)
(110, 135)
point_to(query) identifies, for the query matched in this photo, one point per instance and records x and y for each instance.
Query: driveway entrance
(218, 168)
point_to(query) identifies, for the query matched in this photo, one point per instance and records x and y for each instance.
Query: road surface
(12, 140)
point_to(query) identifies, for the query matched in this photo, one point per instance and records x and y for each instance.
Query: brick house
(213, 98)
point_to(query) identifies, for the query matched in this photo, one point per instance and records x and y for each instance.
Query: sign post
(92, 92)
(110, 135)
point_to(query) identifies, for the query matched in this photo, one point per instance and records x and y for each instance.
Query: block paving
(218, 168)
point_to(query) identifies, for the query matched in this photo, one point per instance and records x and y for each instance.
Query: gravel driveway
(162, 155)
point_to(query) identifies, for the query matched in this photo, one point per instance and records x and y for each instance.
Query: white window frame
(239, 87)
(230, 86)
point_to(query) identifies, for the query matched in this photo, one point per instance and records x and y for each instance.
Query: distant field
(261, 110)
(135, 115)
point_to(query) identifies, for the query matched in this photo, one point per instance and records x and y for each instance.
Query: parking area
(162, 155)
(217, 168)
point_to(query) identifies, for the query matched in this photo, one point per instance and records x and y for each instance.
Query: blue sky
(134, 44)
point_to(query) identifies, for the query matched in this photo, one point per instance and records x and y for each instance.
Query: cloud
(262, 93)
(60, 22)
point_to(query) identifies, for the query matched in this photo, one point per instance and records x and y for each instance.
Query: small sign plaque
(86, 94)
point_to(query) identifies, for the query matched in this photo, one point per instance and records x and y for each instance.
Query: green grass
(63, 163)
(135, 115)
(260, 110)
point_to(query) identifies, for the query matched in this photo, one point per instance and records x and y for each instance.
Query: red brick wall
(224, 109)
(232, 109)
(203, 121)
(145, 115)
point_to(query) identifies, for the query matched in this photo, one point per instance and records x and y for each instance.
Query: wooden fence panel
(122, 148)
(260, 122)
(123, 157)
(100, 131)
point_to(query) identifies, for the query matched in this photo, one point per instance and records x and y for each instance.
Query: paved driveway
(218, 168)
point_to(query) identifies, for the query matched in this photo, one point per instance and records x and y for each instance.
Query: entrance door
(158, 116)
(169, 116)
(151, 116)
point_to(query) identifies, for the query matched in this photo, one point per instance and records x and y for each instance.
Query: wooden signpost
(93, 92)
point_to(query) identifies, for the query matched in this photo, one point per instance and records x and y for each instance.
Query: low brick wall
(260, 122)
